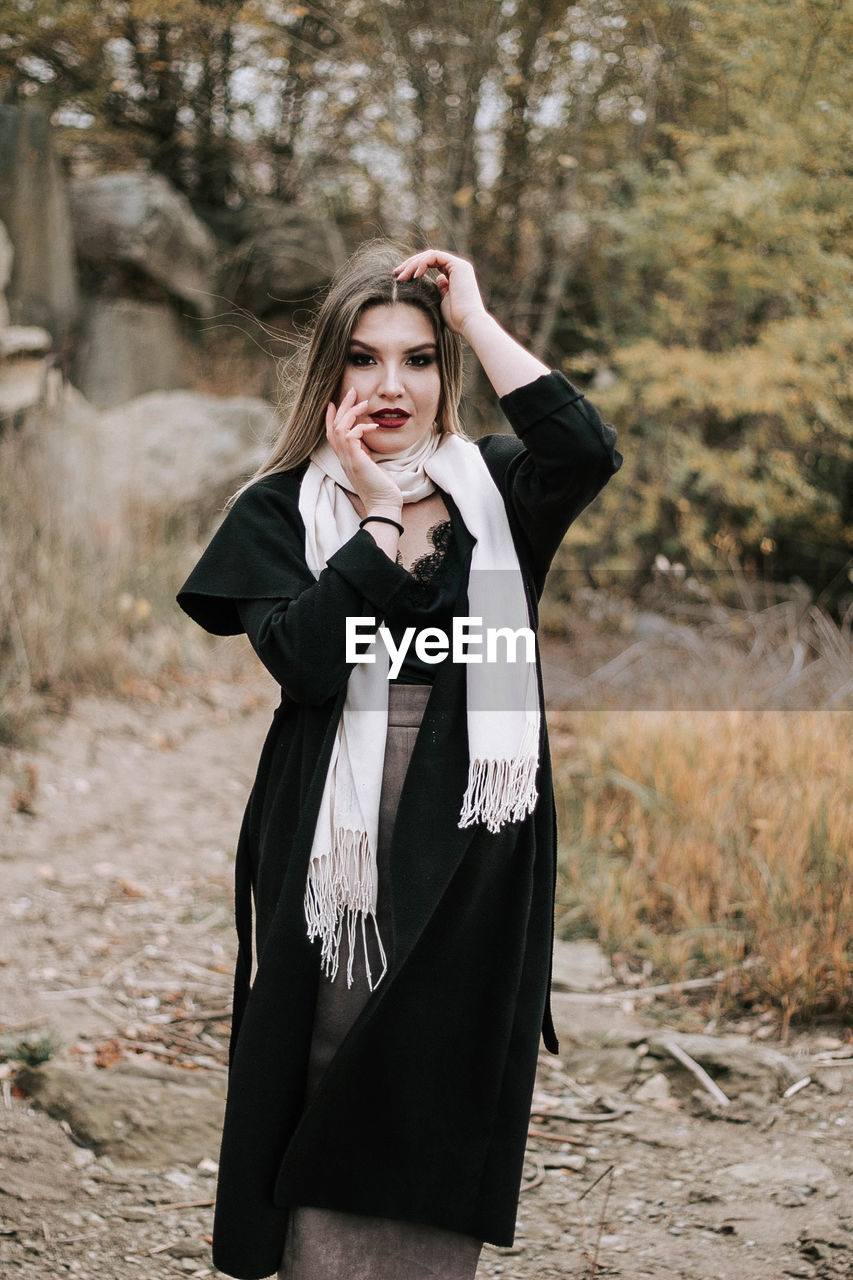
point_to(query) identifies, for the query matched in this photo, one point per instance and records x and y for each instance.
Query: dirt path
(116, 942)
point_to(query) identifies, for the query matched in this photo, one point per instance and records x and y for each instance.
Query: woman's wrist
(478, 327)
(388, 510)
(384, 531)
(507, 364)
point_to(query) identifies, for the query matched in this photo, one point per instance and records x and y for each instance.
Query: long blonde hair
(366, 280)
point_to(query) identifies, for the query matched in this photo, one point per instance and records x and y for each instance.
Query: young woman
(399, 842)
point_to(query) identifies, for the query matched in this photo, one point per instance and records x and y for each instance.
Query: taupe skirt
(323, 1244)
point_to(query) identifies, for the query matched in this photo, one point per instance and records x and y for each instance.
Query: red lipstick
(390, 417)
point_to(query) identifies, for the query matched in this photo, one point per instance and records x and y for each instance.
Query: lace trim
(427, 565)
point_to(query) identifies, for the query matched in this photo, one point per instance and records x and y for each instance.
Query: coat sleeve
(253, 577)
(568, 455)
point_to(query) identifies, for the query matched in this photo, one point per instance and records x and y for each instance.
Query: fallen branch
(556, 1137)
(601, 1220)
(539, 1175)
(580, 1117)
(11, 1027)
(593, 1185)
(797, 1086)
(201, 1015)
(633, 993)
(178, 1204)
(73, 993)
(676, 1051)
(596, 1117)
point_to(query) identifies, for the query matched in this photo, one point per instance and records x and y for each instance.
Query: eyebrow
(409, 351)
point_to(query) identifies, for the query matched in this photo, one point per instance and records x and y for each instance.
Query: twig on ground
(539, 1175)
(594, 1184)
(596, 1117)
(584, 1117)
(11, 1027)
(601, 1220)
(633, 993)
(556, 1137)
(676, 1051)
(201, 1015)
(592, 1261)
(797, 1086)
(73, 993)
(180, 1204)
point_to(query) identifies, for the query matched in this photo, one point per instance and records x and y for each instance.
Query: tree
(723, 287)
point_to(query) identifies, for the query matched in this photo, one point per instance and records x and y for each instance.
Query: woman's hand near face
(461, 301)
(506, 362)
(377, 491)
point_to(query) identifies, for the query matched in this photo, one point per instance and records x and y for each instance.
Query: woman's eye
(420, 362)
(360, 359)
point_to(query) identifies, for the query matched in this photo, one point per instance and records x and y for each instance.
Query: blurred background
(657, 198)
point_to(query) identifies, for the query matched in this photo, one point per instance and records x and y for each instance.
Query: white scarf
(503, 744)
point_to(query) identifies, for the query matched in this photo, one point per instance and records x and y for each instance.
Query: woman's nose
(390, 380)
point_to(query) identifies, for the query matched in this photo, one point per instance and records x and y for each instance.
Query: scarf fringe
(341, 890)
(502, 791)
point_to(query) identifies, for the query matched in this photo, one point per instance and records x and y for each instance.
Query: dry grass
(727, 642)
(704, 841)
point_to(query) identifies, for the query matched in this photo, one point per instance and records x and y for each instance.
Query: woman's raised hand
(457, 282)
(506, 363)
(344, 433)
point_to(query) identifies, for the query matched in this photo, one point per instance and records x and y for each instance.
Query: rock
(139, 221)
(773, 1173)
(126, 349)
(831, 1079)
(25, 1184)
(188, 1249)
(179, 451)
(284, 254)
(558, 1160)
(42, 287)
(24, 383)
(580, 966)
(172, 449)
(656, 1091)
(24, 339)
(135, 1113)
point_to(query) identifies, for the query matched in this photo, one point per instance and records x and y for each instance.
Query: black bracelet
(384, 519)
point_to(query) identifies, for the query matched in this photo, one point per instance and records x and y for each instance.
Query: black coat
(422, 1114)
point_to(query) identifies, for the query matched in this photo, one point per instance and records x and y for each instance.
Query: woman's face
(392, 365)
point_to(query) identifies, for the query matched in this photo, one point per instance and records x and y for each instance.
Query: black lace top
(426, 565)
(427, 600)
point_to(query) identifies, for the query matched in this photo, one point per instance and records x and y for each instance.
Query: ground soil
(116, 944)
